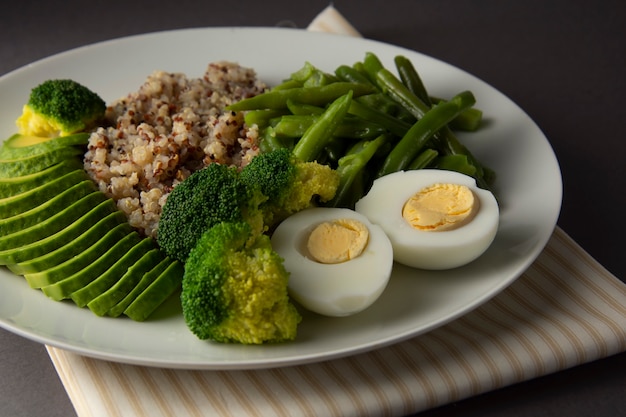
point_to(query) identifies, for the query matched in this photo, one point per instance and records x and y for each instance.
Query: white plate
(529, 187)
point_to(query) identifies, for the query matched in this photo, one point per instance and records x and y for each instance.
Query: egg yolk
(337, 241)
(440, 207)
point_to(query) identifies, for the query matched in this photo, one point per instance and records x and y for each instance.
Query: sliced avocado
(148, 278)
(160, 290)
(19, 203)
(77, 263)
(73, 244)
(46, 210)
(101, 304)
(94, 268)
(31, 164)
(53, 224)
(17, 185)
(20, 146)
(113, 275)
(65, 236)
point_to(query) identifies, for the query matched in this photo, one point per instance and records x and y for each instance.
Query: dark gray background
(562, 61)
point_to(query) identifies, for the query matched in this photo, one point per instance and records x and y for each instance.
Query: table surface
(561, 61)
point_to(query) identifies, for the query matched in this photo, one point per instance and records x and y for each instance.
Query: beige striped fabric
(565, 310)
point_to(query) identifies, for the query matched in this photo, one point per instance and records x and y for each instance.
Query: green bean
(333, 151)
(262, 117)
(311, 76)
(447, 142)
(395, 126)
(468, 121)
(350, 127)
(269, 141)
(405, 151)
(393, 87)
(318, 96)
(293, 126)
(319, 78)
(458, 163)
(372, 66)
(360, 68)
(386, 104)
(317, 135)
(351, 169)
(350, 74)
(303, 109)
(303, 73)
(287, 84)
(424, 159)
(411, 79)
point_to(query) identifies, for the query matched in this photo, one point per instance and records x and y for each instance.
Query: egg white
(434, 250)
(339, 289)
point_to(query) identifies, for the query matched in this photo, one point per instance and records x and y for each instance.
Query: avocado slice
(31, 164)
(62, 237)
(17, 185)
(19, 203)
(53, 224)
(94, 267)
(113, 275)
(145, 281)
(46, 210)
(74, 239)
(101, 304)
(77, 263)
(20, 146)
(166, 284)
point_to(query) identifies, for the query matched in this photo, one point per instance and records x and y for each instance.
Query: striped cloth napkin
(565, 310)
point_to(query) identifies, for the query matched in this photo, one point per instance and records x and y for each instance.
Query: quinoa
(173, 125)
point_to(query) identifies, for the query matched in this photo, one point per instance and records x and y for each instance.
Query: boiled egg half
(339, 262)
(435, 219)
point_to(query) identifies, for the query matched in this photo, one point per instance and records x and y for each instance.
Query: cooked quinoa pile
(173, 125)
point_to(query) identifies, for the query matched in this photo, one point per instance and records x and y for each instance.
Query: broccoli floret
(291, 185)
(60, 107)
(235, 288)
(207, 197)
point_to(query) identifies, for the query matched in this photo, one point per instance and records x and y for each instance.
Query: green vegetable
(353, 174)
(469, 120)
(393, 87)
(444, 141)
(289, 184)
(160, 287)
(319, 95)
(60, 107)
(21, 146)
(234, 288)
(423, 160)
(350, 74)
(416, 138)
(375, 115)
(368, 103)
(317, 136)
(207, 197)
(411, 79)
(294, 126)
(371, 66)
(10, 187)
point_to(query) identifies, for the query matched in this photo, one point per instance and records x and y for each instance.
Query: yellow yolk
(337, 241)
(440, 207)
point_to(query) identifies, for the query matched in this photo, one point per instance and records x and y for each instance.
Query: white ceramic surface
(528, 185)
